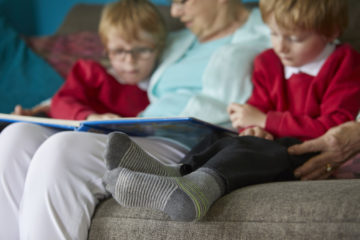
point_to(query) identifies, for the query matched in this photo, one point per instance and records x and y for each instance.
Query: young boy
(133, 33)
(306, 84)
(302, 87)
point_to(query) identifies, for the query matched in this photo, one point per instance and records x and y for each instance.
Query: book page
(51, 122)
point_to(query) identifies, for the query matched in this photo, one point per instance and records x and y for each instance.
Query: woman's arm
(227, 79)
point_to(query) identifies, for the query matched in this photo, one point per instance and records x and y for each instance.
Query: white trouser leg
(63, 186)
(18, 143)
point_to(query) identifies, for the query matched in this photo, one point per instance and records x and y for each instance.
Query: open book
(185, 130)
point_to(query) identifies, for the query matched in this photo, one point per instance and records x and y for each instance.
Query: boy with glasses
(133, 34)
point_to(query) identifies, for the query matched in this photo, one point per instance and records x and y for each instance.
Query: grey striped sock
(122, 152)
(185, 198)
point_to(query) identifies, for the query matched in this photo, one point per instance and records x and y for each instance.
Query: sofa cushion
(62, 51)
(292, 210)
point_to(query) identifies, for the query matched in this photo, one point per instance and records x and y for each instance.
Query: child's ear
(333, 37)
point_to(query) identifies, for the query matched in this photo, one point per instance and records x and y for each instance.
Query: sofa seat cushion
(292, 210)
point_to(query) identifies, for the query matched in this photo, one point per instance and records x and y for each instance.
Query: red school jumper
(304, 106)
(89, 88)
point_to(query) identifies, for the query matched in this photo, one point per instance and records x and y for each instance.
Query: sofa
(328, 209)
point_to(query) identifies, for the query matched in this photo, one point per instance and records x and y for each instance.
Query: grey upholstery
(287, 210)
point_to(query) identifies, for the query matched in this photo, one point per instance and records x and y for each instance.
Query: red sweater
(304, 106)
(90, 89)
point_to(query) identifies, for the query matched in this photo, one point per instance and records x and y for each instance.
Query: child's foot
(122, 152)
(185, 198)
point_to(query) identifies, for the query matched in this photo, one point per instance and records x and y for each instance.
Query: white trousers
(51, 182)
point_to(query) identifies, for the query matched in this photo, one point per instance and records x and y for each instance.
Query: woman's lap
(18, 143)
(61, 178)
(49, 182)
(63, 186)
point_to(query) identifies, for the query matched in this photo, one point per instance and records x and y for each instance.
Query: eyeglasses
(137, 53)
(179, 2)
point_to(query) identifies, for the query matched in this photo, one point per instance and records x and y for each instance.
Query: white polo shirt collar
(312, 68)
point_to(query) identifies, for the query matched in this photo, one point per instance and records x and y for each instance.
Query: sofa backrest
(85, 17)
(352, 33)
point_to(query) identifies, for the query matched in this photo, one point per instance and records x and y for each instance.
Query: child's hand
(245, 115)
(257, 132)
(37, 110)
(105, 116)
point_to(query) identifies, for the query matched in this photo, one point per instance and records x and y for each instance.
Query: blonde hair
(129, 17)
(325, 17)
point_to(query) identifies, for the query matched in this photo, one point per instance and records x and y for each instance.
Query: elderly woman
(50, 182)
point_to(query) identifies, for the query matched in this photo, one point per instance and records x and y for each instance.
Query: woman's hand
(245, 115)
(105, 116)
(257, 132)
(335, 147)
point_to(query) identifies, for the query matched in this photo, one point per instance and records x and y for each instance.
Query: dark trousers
(243, 161)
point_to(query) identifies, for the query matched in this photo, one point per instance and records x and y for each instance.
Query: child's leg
(202, 152)
(234, 163)
(123, 152)
(250, 160)
(182, 198)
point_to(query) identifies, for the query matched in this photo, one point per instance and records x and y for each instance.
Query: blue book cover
(186, 130)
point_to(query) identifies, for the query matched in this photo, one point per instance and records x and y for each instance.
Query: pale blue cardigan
(227, 77)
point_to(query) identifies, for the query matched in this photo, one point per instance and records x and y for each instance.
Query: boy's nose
(129, 57)
(282, 46)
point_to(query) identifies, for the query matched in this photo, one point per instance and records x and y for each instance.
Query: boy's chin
(290, 64)
(131, 81)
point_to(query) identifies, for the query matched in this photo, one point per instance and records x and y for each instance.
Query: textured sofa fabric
(286, 210)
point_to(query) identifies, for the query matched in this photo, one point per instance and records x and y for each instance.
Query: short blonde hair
(129, 17)
(326, 17)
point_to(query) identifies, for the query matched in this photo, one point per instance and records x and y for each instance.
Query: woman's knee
(19, 142)
(66, 153)
(25, 134)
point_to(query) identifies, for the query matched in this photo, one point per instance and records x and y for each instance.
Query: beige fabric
(286, 210)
